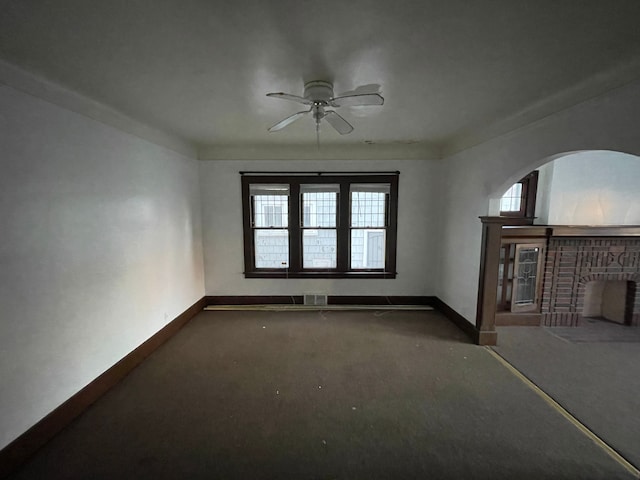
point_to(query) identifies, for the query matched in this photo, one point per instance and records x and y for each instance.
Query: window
(270, 225)
(320, 225)
(511, 201)
(520, 199)
(368, 219)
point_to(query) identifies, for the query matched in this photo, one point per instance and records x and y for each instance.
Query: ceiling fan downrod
(318, 114)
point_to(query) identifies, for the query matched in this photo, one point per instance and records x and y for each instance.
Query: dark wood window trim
(527, 197)
(344, 179)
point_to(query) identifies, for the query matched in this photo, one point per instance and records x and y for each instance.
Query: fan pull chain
(318, 134)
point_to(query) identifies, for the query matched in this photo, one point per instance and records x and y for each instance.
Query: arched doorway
(593, 190)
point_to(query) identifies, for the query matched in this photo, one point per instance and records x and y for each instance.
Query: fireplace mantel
(571, 230)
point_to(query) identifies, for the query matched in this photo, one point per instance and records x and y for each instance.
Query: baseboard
(379, 300)
(23, 447)
(476, 336)
(254, 299)
(331, 300)
(470, 330)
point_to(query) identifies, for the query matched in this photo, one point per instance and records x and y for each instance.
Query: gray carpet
(598, 381)
(594, 330)
(321, 395)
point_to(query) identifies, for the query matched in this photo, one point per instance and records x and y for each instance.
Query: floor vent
(315, 299)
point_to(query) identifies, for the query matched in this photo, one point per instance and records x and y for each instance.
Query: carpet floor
(594, 330)
(321, 395)
(590, 371)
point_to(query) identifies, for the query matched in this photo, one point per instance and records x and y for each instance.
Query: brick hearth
(573, 262)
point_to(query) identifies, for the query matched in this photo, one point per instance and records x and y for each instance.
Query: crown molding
(33, 85)
(590, 88)
(382, 151)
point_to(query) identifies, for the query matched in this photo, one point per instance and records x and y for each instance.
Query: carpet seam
(608, 449)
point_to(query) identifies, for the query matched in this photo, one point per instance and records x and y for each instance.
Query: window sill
(352, 275)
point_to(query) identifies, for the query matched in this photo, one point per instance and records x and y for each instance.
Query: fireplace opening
(610, 300)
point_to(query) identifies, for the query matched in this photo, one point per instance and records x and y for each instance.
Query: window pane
(367, 248)
(268, 189)
(307, 215)
(319, 250)
(371, 187)
(525, 293)
(368, 209)
(272, 248)
(271, 211)
(319, 207)
(510, 201)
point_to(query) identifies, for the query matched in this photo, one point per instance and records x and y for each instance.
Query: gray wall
(592, 188)
(418, 220)
(100, 248)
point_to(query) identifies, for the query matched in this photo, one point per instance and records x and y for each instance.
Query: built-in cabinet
(520, 275)
(527, 276)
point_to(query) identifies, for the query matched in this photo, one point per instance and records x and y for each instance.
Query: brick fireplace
(573, 262)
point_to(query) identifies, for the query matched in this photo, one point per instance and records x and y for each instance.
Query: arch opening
(598, 187)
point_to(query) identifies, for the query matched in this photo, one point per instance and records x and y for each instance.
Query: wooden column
(488, 283)
(489, 269)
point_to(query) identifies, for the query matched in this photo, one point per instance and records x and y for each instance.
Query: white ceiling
(452, 72)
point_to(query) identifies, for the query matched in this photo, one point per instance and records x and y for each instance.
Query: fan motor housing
(318, 91)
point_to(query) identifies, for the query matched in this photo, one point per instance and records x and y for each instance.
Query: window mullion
(343, 230)
(392, 227)
(247, 208)
(295, 232)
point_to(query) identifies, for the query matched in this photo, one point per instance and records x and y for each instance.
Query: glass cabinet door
(526, 278)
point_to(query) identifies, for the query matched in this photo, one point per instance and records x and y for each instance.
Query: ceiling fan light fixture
(318, 91)
(318, 94)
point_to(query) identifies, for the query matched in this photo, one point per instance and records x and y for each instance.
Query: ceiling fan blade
(283, 123)
(357, 100)
(288, 96)
(340, 124)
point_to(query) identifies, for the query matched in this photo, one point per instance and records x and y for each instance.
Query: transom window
(520, 199)
(320, 225)
(511, 201)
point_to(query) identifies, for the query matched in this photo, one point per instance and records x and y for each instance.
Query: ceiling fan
(319, 95)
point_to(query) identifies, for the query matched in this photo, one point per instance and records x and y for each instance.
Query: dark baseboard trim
(331, 300)
(254, 299)
(477, 337)
(23, 447)
(469, 329)
(378, 300)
